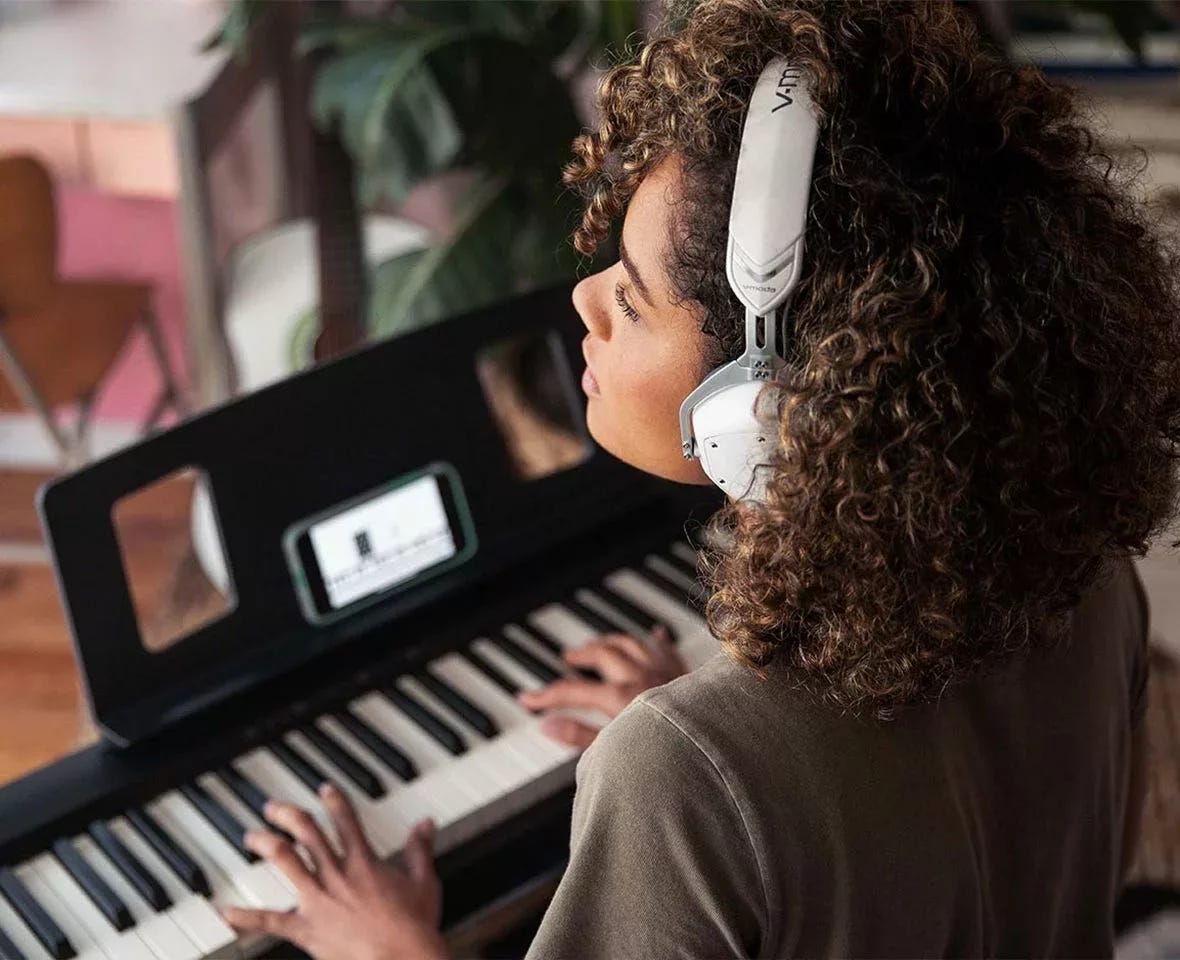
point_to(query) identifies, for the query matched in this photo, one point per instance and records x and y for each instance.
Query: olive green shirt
(722, 815)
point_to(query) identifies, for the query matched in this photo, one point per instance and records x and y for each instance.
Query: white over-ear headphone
(718, 420)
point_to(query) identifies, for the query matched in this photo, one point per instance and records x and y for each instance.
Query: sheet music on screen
(384, 541)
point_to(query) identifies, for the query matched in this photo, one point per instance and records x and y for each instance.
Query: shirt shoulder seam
(732, 799)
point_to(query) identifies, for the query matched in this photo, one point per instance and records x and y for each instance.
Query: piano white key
(278, 783)
(504, 710)
(670, 572)
(364, 805)
(21, 936)
(684, 552)
(602, 606)
(493, 772)
(526, 681)
(506, 665)
(539, 650)
(394, 826)
(123, 945)
(52, 903)
(696, 643)
(192, 913)
(447, 796)
(565, 626)
(251, 885)
(158, 931)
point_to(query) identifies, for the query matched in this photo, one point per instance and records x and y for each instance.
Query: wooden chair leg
(23, 384)
(172, 395)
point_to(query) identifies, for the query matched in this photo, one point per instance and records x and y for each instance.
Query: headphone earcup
(733, 443)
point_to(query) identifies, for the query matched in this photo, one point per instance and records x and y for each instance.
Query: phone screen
(380, 541)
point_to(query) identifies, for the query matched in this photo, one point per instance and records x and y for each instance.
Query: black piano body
(578, 539)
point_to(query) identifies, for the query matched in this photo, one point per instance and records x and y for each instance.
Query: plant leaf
(465, 271)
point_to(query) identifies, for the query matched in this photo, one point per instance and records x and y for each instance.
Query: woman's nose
(588, 302)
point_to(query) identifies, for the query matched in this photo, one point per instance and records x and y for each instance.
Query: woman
(922, 736)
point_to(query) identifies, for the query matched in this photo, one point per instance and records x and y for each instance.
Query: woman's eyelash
(628, 311)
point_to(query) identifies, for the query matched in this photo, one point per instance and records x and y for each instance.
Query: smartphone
(379, 543)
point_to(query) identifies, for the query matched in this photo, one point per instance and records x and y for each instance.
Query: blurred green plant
(419, 88)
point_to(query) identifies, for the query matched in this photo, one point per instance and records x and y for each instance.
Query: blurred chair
(60, 338)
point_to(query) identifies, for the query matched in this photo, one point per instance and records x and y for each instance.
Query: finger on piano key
(547, 649)
(158, 930)
(384, 824)
(101, 895)
(426, 719)
(170, 851)
(136, 874)
(191, 912)
(390, 755)
(79, 942)
(22, 942)
(277, 781)
(592, 718)
(237, 883)
(696, 644)
(351, 767)
(362, 803)
(118, 945)
(519, 726)
(460, 705)
(219, 819)
(35, 916)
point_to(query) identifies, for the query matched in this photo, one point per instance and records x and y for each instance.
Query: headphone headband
(764, 254)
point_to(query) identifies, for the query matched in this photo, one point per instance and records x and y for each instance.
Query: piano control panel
(383, 541)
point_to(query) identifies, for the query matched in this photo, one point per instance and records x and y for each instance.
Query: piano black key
(8, 950)
(591, 617)
(544, 638)
(377, 744)
(345, 761)
(677, 562)
(630, 609)
(672, 589)
(550, 643)
(510, 648)
(460, 704)
(94, 886)
(140, 878)
(245, 790)
(299, 764)
(36, 919)
(427, 719)
(221, 819)
(170, 851)
(491, 671)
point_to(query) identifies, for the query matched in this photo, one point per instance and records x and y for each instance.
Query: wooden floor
(41, 715)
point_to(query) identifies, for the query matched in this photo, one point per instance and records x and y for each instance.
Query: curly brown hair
(982, 405)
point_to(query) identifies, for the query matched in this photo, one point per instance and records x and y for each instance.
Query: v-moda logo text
(787, 82)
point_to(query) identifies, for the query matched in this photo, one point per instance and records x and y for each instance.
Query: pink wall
(112, 236)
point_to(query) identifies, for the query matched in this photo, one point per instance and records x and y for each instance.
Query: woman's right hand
(627, 667)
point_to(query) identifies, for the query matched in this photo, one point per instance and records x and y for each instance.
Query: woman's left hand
(351, 905)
